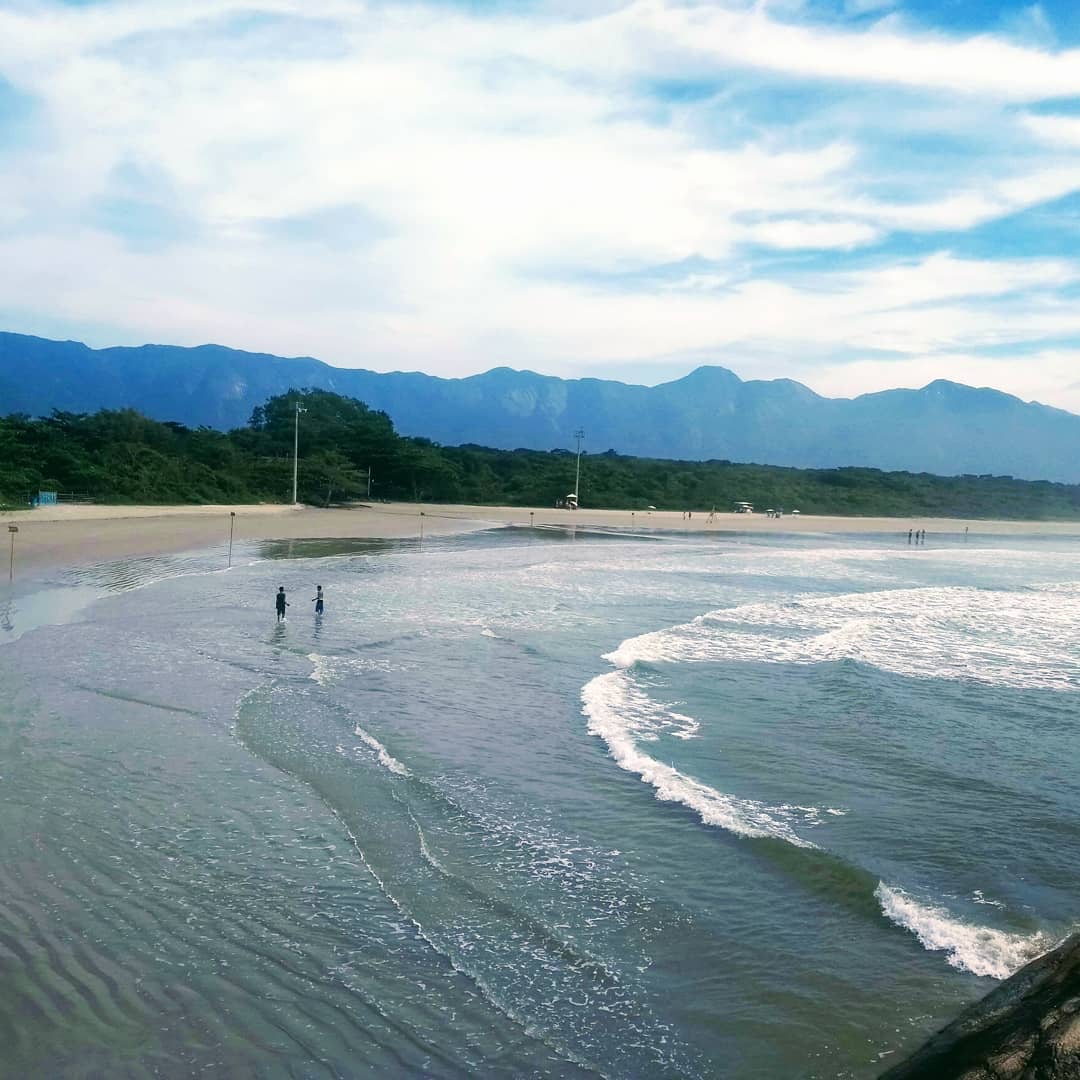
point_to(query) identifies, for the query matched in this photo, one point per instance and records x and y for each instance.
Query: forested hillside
(709, 414)
(121, 456)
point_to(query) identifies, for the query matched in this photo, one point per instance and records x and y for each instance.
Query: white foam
(978, 949)
(386, 759)
(1022, 639)
(425, 851)
(620, 714)
(812, 815)
(321, 668)
(326, 669)
(690, 727)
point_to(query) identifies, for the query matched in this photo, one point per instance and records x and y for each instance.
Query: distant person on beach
(282, 603)
(317, 600)
(909, 536)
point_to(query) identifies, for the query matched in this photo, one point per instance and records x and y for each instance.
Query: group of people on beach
(283, 603)
(918, 536)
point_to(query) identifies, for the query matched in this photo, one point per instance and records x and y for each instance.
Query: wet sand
(62, 536)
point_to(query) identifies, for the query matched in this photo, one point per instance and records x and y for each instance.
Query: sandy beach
(502, 755)
(77, 535)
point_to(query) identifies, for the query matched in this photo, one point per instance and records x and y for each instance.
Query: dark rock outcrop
(1026, 1029)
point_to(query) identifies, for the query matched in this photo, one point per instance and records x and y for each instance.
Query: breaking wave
(621, 715)
(981, 950)
(1021, 639)
(386, 759)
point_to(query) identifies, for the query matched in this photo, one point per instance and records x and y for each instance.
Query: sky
(857, 194)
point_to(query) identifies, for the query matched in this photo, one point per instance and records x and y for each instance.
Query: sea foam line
(617, 716)
(443, 949)
(606, 701)
(321, 668)
(981, 950)
(1019, 639)
(386, 759)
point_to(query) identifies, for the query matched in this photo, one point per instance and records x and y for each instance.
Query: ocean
(533, 803)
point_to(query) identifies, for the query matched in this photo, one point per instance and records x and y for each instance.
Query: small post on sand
(12, 529)
(232, 522)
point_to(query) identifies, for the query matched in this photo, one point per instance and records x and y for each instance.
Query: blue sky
(857, 194)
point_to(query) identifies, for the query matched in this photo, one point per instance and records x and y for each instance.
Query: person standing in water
(282, 603)
(317, 600)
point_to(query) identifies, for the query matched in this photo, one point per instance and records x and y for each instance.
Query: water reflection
(323, 548)
(20, 613)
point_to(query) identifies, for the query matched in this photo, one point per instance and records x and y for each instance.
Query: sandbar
(62, 536)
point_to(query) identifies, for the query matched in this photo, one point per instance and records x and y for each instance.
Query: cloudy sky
(857, 194)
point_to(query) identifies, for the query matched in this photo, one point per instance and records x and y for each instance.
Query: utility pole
(13, 529)
(579, 435)
(296, 447)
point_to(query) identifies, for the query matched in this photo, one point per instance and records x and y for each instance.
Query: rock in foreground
(1026, 1029)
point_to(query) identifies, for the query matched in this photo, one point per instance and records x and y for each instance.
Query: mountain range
(945, 428)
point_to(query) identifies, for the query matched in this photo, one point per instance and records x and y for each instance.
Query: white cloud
(1057, 130)
(980, 66)
(793, 233)
(510, 161)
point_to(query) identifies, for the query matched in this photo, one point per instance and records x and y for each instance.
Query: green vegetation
(123, 457)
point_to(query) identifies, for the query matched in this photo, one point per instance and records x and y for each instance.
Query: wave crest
(981, 950)
(615, 715)
(1024, 640)
(386, 759)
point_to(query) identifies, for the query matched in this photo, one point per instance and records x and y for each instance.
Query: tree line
(350, 452)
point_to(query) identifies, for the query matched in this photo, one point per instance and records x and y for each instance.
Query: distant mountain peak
(710, 373)
(710, 413)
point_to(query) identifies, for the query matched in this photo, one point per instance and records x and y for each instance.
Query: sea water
(529, 803)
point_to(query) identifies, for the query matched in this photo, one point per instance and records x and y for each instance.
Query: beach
(756, 798)
(79, 535)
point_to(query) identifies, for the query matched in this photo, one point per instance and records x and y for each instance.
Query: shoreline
(62, 536)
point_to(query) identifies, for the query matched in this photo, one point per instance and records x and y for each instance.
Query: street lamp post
(579, 435)
(12, 529)
(296, 448)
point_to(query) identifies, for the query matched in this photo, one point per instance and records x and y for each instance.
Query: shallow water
(533, 804)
